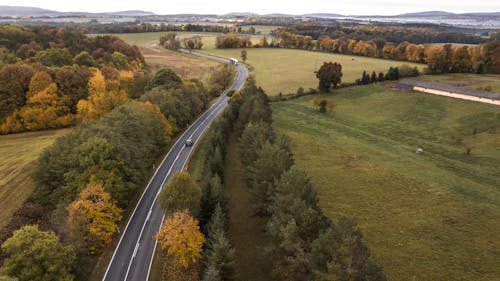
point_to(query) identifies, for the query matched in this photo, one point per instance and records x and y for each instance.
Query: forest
(52, 77)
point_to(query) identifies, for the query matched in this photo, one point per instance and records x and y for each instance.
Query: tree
(490, 56)
(221, 79)
(181, 193)
(436, 60)
(14, 83)
(340, 254)
(272, 160)
(85, 59)
(120, 61)
(243, 55)
(329, 75)
(180, 235)
(54, 57)
(165, 77)
(93, 218)
(461, 60)
(101, 99)
(36, 255)
(169, 41)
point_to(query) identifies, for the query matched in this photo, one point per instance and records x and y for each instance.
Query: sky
(346, 7)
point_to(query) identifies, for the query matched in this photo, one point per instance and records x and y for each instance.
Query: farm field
(185, 65)
(285, 70)
(467, 80)
(18, 154)
(425, 217)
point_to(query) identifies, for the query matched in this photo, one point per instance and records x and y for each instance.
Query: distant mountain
(277, 15)
(492, 14)
(16, 11)
(427, 14)
(323, 15)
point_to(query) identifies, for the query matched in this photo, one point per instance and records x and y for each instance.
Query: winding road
(134, 253)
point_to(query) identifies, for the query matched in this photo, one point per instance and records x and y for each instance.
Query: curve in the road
(134, 253)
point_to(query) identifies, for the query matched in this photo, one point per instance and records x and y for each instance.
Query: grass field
(425, 217)
(285, 70)
(467, 80)
(18, 154)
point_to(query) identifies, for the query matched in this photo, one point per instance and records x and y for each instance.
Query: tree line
(306, 245)
(381, 33)
(87, 178)
(53, 78)
(440, 59)
(94, 28)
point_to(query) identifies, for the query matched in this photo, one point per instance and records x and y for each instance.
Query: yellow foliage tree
(168, 128)
(92, 218)
(101, 98)
(181, 235)
(39, 82)
(44, 109)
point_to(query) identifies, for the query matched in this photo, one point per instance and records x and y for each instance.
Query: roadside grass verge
(246, 232)
(425, 217)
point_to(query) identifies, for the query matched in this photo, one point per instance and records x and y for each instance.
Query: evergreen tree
(374, 77)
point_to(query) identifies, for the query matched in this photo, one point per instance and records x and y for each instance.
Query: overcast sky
(346, 7)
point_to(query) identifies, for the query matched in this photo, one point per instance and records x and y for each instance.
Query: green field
(18, 154)
(466, 80)
(153, 38)
(263, 29)
(285, 70)
(425, 217)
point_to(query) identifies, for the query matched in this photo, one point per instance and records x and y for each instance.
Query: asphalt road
(134, 254)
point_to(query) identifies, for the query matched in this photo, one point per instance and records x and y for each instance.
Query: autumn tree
(92, 218)
(329, 75)
(180, 235)
(101, 99)
(461, 60)
(36, 255)
(436, 60)
(14, 83)
(170, 41)
(490, 55)
(221, 79)
(181, 193)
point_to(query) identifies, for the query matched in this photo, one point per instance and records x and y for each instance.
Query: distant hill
(427, 14)
(275, 15)
(15, 11)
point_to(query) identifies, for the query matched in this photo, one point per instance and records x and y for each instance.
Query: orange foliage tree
(181, 235)
(92, 218)
(103, 97)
